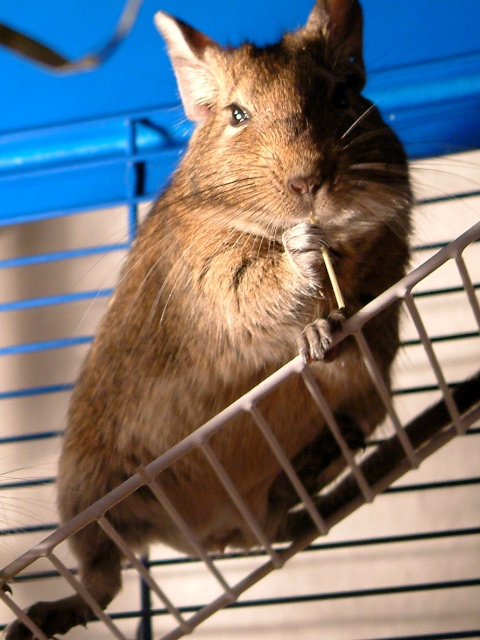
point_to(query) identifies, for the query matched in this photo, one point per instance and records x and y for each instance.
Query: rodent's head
(283, 134)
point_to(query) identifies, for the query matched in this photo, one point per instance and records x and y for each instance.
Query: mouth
(319, 205)
(324, 211)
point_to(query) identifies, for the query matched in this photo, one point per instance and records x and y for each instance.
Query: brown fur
(223, 278)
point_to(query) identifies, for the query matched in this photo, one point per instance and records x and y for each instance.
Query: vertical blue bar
(144, 631)
(131, 178)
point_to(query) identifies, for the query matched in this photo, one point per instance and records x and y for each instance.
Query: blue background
(423, 60)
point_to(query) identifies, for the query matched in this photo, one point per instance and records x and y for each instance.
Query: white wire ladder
(411, 443)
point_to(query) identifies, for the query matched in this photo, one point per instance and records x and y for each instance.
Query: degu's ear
(187, 47)
(341, 23)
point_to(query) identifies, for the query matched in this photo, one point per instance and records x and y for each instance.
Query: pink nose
(303, 185)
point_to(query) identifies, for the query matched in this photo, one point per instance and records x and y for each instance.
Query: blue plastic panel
(113, 135)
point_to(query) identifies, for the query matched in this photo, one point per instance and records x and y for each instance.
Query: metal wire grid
(123, 160)
(406, 449)
(138, 152)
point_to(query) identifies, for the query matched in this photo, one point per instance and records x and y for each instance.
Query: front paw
(315, 341)
(303, 243)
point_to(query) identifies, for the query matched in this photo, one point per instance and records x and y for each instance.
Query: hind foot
(52, 618)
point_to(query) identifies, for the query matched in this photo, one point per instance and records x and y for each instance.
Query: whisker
(359, 140)
(357, 121)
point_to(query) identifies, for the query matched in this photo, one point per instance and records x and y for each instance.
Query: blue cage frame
(112, 147)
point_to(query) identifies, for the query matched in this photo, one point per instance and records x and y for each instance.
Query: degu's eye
(238, 115)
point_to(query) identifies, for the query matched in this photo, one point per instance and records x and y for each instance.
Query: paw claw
(315, 341)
